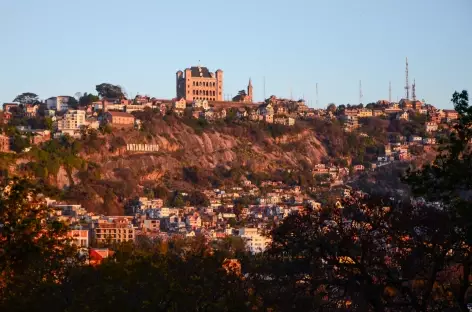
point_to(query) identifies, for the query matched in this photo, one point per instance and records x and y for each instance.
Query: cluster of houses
(69, 120)
(400, 111)
(118, 113)
(222, 217)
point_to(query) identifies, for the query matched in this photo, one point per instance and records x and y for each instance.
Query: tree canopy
(27, 98)
(107, 90)
(331, 107)
(87, 99)
(33, 247)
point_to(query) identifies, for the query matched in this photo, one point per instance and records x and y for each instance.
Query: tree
(27, 98)
(73, 103)
(48, 123)
(19, 143)
(87, 99)
(370, 106)
(447, 182)
(197, 198)
(34, 250)
(177, 275)
(331, 107)
(107, 90)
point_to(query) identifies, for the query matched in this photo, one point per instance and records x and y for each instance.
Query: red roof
(120, 114)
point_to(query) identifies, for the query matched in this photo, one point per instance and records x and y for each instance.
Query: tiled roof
(120, 114)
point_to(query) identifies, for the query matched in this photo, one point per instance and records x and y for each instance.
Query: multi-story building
(451, 114)
(120, 118)
(114, 231)
(73, 119)
(58, 103)
(80, 238)
(4, 143)
(350, 122)
(364, 113)
(255, 242)
(198, 83)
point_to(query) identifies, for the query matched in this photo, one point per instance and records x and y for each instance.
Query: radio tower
(317, 95)
(360, 92)
(407, 85)
(390, 92)
(413, 90)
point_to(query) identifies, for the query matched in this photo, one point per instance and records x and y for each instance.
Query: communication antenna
(407, 85)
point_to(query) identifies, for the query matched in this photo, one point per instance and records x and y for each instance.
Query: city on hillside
(245, 210)
(308, 156)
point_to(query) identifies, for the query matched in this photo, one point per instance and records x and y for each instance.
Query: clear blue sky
(57, 47)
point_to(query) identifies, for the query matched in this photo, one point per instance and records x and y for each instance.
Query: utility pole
(390, 92)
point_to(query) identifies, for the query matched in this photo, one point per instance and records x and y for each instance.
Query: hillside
(97, 171)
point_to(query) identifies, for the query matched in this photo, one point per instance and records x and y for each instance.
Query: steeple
(249, 90)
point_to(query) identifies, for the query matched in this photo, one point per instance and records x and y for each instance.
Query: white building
(255, 242)
(201, 104)
(58, 103)
(73, 119)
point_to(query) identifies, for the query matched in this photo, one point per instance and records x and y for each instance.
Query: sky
(57, 47)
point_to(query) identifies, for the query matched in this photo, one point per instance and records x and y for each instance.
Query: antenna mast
(407, 85)
(390, 92)
(317, 95)
(413, 90)
(360, 92)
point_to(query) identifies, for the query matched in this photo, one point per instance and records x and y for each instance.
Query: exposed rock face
(181, 147)
(124, 174)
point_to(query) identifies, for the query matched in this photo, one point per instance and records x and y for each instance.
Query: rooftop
(120, 114)
(198, 71)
